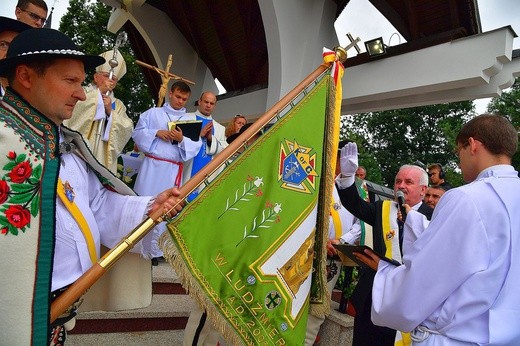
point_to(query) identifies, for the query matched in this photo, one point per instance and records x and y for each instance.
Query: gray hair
(423, 180)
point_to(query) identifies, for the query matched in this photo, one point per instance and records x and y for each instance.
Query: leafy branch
(251, 188)
(269, 215)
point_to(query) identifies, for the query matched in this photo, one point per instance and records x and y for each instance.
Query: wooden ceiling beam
(454, 14)
(389, 12)
(413, 24)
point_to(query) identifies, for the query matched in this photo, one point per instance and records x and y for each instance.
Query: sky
(494, 14)
(362, 20)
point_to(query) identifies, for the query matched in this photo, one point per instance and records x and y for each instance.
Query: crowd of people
(59, 193)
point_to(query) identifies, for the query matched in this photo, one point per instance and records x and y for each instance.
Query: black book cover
(190, 128)
(349, 250)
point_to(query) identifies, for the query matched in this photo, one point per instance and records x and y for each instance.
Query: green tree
(392, 138)
(508, 104)
(85, 22)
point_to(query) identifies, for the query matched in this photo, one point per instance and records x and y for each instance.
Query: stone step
(164, 273)
(165, 280)
(167, 312)
(163, 322)
(156, 338)
(337, 328)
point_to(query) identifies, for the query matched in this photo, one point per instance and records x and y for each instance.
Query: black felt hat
(44, 44)
(8, 24)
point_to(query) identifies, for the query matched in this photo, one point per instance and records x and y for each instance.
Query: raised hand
(349, 159)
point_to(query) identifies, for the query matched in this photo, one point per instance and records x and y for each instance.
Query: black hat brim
(43, 45)
(8, 24)
(9, 64)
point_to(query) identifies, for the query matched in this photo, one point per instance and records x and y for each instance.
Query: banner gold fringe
(191, 285)
(317, 308)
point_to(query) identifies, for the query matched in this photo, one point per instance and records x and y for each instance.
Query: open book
(346, 254)
(190, 128)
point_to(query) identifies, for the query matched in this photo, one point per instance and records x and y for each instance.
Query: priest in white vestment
(101, 118)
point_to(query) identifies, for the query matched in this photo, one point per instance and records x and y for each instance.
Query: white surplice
(110, 217)
(156, 175)
(460, 278)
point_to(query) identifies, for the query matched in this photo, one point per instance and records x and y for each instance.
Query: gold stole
(391, 231)
(391, 240)
(80, 220)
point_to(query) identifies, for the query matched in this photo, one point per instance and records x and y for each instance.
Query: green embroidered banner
(246, 243)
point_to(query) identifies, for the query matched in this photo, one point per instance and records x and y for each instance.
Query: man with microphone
(411, 181)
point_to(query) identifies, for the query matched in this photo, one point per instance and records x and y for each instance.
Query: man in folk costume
(467, 257)
(58, 204)
(102, 105)
(9, 28)
(387, 234)
(166, 151)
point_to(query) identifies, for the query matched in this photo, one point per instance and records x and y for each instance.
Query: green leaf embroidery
(37, 172)
(35, 205)
(9, 166)
(20, 199)
(3, 221)
(270, 214)
(251, 188)
(12, 229)
(20, 158)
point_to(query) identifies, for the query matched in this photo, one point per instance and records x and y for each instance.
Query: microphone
(400, 201)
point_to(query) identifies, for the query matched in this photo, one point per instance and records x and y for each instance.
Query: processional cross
(341, 52)
(165, 78)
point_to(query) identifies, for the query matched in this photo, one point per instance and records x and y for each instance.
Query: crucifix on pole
(342, 51)
(165, 78)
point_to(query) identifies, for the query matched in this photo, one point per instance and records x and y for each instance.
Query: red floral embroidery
(18, 216)
(19, 193)
(4, 191)
(21, 172)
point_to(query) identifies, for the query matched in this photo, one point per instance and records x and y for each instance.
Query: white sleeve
(435, 257)
(354, 234)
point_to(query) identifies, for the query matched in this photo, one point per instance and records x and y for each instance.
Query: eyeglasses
(459, 147)
(4, 45)
(34, 16)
